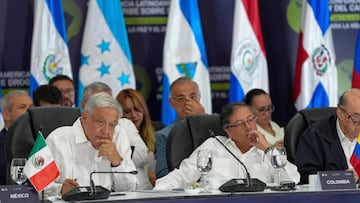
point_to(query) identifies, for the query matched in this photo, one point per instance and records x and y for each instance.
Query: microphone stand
(233, 185)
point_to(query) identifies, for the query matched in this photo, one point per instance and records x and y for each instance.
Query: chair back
(187, 135)
(297, 125)
(22, 133)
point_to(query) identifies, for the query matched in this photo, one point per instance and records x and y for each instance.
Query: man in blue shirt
(185, 99)
(13, 104)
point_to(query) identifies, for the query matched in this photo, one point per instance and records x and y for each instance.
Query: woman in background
(135, 109)
(260, 102)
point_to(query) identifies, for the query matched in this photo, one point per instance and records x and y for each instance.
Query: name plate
(337, 180)
(18, 194)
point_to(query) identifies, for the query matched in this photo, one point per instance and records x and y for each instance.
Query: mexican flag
(41, 168)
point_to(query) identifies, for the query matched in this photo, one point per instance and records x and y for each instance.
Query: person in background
(93, 143)
(327, 145)
(185, 99)
(139, 149)
(47, 95)
(135, 109)
(66, 87)
(244, 141)
(13, 104)
(260, 101)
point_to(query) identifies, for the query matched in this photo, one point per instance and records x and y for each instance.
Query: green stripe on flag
(38, 145)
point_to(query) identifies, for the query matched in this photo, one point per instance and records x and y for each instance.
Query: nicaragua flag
(356, 71)
(184, 55)
(248, 57)
(49, 51)
(105, 52)
(315, 75)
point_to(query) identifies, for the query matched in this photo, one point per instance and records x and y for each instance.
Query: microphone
(91, 192)
(239, 185)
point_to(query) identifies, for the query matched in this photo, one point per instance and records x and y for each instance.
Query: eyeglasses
(101, 123)
(354, 118)
(241, 123)
(182, 98)
(67, 91)
(264, 109)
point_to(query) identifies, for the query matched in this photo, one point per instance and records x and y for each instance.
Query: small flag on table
(355, 157)
(41, 168)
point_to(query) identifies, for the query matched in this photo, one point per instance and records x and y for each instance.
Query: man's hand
(193, 107)
(108, 150)
(68, 184)
(258, 140)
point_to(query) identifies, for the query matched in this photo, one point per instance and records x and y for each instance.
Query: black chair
(299, 123)
(22, 133)
(188, 134)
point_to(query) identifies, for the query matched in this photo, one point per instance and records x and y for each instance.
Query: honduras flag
(248, 57)
(49, 51)
(184, 54)
(315, 75)
(356, 71)
(105, 52)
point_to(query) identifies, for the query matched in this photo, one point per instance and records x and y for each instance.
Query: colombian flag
(355, 157)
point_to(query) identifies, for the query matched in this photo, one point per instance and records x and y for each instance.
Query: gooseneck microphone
(239, 185)
(92, 192)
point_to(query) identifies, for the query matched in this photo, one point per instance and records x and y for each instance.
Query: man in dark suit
(328, 144)
(13, 104)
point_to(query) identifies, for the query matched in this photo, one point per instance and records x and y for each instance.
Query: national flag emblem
(41, 168)
(355, 157)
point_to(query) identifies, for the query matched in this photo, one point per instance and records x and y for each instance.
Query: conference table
(303, 193)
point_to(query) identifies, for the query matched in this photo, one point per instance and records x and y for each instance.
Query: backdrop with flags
(184, 54)
(356, 71)
(248, 58)
(105, 51)
(315, 75)
(49, 51)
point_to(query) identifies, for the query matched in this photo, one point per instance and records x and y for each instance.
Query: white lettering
(19, 195)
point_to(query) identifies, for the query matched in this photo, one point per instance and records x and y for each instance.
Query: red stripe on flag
(252, 11)
(355, 162)
(355, 79)
(44, 177)
(301, 58)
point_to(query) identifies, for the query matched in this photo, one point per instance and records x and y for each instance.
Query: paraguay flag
(356, 72)
(355, 157)
(248, 57)
(315, 75)
(105, 51)
(49, 51)
(184, 54)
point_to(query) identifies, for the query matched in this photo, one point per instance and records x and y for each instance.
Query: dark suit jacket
(2, 157)
(319, 149)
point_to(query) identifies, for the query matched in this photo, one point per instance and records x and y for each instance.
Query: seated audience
(13, 104)
(47, 95)
(140, 151)
(185, 99)
(328, 144)
(248, 144)
(135, 109)
(66, 87)
(260, 101)
(93, 143)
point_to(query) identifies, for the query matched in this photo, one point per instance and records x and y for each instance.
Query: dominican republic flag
(248, 57)
(316, 74)
(49, 51)
(355, 157)
(105, 51)
(184, 55)
(356, 71)
(41, 168)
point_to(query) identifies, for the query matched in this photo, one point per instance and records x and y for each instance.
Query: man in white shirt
(93, 143)
(139, 148)
(243, 140)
